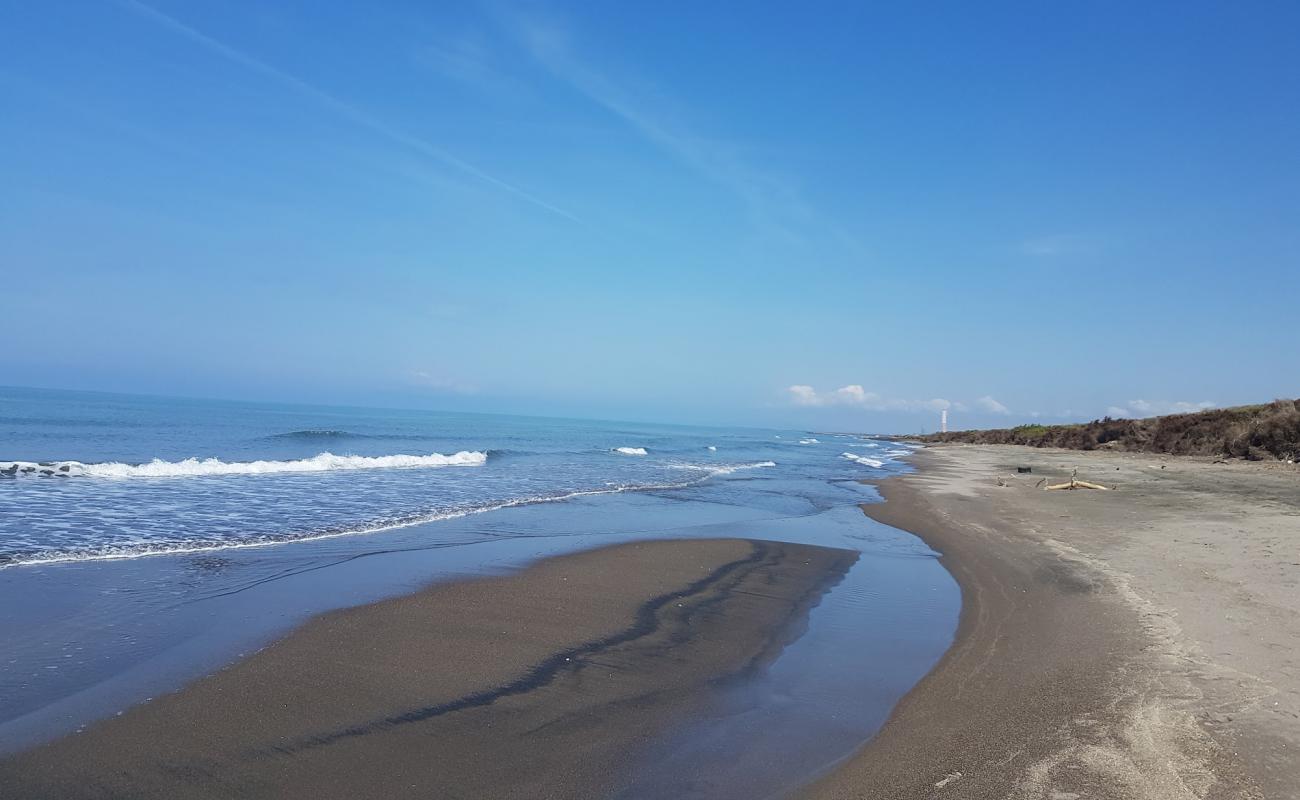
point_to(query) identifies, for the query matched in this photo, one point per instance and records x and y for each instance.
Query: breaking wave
(714, 469)
(738, 467)
(863, 460)
(194, 467)
(630, 451)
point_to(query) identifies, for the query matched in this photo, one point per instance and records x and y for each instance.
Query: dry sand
(543, 683)
(1136, 643)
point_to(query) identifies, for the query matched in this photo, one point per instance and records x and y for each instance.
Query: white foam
(738, 467)
(863, 460)
(714, 469)
(630, 451)
(809, 441)
(713, 448)
(194, 467)
(178, 548)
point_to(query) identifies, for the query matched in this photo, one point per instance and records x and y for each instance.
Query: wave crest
(863, 460)
(313, 433)
(631, 451)
(194, 467)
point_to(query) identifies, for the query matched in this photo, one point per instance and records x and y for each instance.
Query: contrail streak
(338, 106)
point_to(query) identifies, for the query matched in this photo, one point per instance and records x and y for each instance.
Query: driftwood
(1074, 483)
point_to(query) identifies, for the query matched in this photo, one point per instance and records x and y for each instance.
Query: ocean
(146, 540)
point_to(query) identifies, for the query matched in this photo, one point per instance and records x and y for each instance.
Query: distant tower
(943, 421)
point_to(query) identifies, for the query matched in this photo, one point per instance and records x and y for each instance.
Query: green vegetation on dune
(1258, 432)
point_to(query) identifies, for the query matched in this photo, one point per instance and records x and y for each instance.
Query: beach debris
(1041, 481)
(1024, 470)
(1074, 483)
(947, 779)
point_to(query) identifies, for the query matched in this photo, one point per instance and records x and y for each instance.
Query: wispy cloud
(772, 201)
(1158, 408)
(856, 396)
(340, 107)
(469, 58)
(466, 58)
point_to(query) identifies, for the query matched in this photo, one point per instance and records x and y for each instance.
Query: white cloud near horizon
(1159, 408)
(855, 396)
(987, 403)
(336, 105)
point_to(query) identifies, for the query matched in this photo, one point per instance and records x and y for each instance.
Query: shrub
(1257, 432)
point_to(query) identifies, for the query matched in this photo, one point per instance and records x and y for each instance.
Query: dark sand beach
(544, 683)
(1133, 643)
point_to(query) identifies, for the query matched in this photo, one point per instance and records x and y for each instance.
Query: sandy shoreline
(1137, 643)
(557, 676)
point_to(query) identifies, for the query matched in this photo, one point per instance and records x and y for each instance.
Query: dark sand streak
(573, 659)
(550, 682)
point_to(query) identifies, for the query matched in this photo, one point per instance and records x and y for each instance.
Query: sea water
(145, 541)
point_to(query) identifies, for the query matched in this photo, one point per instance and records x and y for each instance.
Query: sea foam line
(194, 467)
(182, 548)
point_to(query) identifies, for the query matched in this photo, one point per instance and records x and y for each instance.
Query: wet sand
(1135, 643)
(544, 683)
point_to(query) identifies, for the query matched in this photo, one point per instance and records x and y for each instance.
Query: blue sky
(839, 215)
